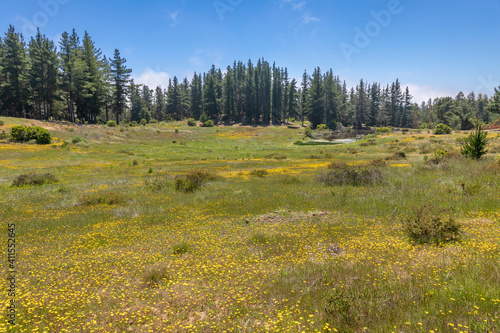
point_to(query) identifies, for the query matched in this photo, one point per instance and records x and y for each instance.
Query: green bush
(3, 135)
(427, 224)
(25, 134)
(111, 123)
(193, 181)
(474, 145)
(181, 248)
(259, 173)
(76, 139)
(191, 122)
(308, 132)
(144, 122)
(384, 130)
(2, 123)
(19, 133)
(442, 129)
(321, 127)
(208, 123)
(354, 175)
(157, 184)
(35, 179)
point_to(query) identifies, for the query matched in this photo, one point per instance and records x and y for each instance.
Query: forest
(75, 82)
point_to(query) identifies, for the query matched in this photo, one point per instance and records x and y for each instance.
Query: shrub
(144, 122)
(208, 123)
(191, 122)
(155, 273)
(258, 238)
(19, 133)
(2, 123)
(426, 224)
(36, 179)
(474, 145)
(259, 172)
(76, 139)
(354, 175)
(308, 132)
(384, 130)
(277, 156)
(193, 180)
(156, 184)
(292, 120)
(181, 248)
(40, 135)
(102, 198)
(400, 155)
(321, 127)
(442, 129)
(3, 135)
(111, 123)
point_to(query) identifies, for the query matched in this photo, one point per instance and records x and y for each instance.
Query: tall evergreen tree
(229, 95)
(374, 104)
(332, 99)
(44, 74)
(120, 77)
(159, 104)
(316, 99)
(361, 105)
(15, 91)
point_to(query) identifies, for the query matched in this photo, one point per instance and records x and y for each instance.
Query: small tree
(474, 145)
(442, 129)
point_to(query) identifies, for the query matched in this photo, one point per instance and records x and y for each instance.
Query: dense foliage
(75, 82)
(475, 144)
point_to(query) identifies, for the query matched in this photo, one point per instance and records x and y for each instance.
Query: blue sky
(437, 48)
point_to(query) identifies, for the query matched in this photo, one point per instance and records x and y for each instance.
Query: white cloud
(308, 18)
(152, 78)
(423, 93)
(296, 5)
(173, 18)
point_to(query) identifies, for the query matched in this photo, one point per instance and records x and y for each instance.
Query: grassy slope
(278, 253)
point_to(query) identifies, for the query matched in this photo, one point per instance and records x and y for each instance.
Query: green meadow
(171, 228)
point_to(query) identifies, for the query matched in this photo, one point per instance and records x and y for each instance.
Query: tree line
(75, 82)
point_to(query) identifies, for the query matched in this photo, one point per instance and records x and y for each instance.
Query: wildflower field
(170, 228)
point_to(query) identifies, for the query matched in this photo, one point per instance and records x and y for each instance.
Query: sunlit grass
(114, 248)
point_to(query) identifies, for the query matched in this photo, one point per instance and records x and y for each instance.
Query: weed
(154, 274)
(427, 224)
(102, 198)
(181, 248)
(354, 175)
(259, 173)
(157, 184)
(36, 179)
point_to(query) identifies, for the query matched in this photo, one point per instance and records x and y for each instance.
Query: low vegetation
(36, 179)
(360, 238)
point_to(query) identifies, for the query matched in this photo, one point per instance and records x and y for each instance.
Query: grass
(113, 248)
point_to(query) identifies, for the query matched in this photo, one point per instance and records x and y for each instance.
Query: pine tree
(374, 104)
(229, 95)
(293, 99)
(332, 101)
(407, 107)
(159, 104)
(15, 92)
(196, 96)
(136, 102)
(277, 96)
(361, 105)
(71, 69)
(44, 73)
(120, 76)
(249, 89)
(316, 99)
